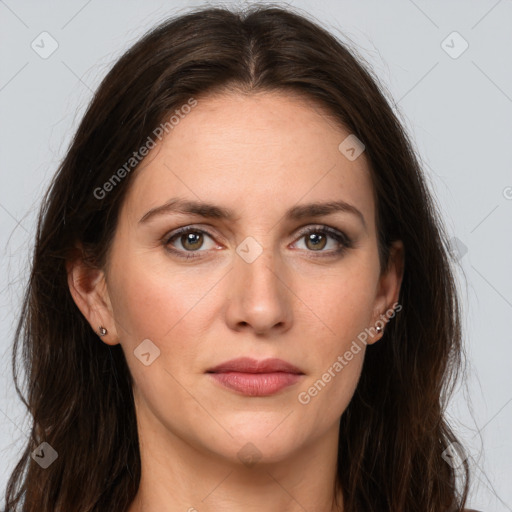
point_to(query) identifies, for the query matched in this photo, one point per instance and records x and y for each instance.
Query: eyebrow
(208, 210)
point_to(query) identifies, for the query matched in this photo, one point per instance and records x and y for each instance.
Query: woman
(241, 295)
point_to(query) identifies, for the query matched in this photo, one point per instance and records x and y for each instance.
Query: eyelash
(340, 237)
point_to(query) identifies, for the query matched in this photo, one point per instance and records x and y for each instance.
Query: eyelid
(323, 228)
(302, 231)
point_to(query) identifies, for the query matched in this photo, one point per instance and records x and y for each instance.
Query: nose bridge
(260, 274)
(261, 297)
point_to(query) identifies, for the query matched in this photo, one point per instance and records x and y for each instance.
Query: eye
(190, 239)
(316, 239)
(184, 242)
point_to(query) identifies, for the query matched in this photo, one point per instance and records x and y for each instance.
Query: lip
(248, 365)
(251, 377)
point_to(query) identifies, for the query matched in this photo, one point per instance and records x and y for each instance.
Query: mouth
(251, 377)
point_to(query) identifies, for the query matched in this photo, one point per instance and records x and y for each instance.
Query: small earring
(378, 329)
(102, 331)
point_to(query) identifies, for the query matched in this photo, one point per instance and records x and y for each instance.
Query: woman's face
(256, 284)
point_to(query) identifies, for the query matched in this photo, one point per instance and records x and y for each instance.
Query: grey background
(458, 111)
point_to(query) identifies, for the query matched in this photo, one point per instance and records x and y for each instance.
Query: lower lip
(256, 384)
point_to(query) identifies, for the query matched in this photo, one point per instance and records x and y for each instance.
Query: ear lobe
(389, 288)
(88, 288)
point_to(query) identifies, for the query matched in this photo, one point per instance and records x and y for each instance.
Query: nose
(259, 298)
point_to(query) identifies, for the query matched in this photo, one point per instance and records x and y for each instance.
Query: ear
(388, 292)
(88, 288)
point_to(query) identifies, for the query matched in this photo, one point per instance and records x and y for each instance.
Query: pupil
(316, 239)
(189, 239)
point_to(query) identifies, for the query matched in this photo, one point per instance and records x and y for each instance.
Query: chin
(271, 441)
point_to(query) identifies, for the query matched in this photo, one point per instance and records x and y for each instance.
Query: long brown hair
(79, 390)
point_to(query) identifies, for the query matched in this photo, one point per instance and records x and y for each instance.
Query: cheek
(165, 308)
(343, 306)
(156, 303)
(327, 393)
(339, 304)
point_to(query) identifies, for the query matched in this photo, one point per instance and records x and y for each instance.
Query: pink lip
(256, 378)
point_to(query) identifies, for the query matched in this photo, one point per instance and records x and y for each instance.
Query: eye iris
(196, 239)
(316, 239)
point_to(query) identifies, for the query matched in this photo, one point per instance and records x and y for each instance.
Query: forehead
(253, 151)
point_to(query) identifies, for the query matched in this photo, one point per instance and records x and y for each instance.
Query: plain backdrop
(448, 67)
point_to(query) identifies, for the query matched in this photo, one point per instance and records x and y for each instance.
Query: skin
(257, 155)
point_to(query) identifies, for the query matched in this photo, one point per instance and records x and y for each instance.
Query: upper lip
(248, 365)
